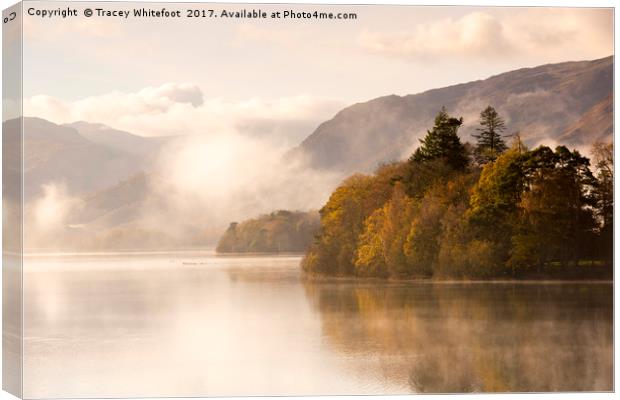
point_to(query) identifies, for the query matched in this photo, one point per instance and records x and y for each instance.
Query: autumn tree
(342, 221)
(462, 254)
(380, 251)
(421, 246)
(458, 253)
(227, 242)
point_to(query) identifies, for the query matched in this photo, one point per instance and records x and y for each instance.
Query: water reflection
(201, 325)
(464, 337)
(150, 326)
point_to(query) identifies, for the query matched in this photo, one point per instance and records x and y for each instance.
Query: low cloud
(182, 108)
(476, 33)
(487, 36)
(47, 217)
(228, 162)
(197, 187)
(257, 33)
(213, 180)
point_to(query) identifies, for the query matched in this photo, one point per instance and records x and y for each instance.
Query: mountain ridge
(538, 102)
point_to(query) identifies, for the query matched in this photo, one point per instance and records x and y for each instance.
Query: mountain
(569, 102)
(596, 124)
(59, 154)
(112, 219)
(82, 157)
(115, 205)
(127, 216)
(119, 140)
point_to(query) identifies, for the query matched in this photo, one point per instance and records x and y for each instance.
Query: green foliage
(499, 188)
(494, 201)
(555, 218)
(280, 231)
(443, 142)
(490, 143)
(417, 177)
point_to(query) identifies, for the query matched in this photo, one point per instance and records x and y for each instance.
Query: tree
(555, 221)
(494, 201)
(342, 221)
(380, 250)
(490, 143)
(604, 195)
(280, 231)
(227, 242)
(459, 253)
(498, 189)
(442, 142)
(418, 177)
(428, 223)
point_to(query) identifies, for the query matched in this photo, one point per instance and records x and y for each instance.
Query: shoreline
(306, 277)
(139, 252)
(523, 281)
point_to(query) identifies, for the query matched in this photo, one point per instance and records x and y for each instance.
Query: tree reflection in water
(474, 337)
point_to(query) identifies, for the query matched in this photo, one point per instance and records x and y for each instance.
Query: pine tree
(442, 142)
(490, 143)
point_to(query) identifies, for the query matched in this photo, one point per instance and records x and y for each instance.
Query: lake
(194, 324)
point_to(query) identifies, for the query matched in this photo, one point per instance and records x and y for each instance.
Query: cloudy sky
(280, 78)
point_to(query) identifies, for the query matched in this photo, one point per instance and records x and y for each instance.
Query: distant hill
(119, 140)
(125, 216)
(596, 124)
(60, 154)
(280, 231)
(119, 204)
(569, 102)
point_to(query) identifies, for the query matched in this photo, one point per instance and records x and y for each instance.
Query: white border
(503, 3)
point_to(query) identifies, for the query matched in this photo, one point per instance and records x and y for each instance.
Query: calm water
(199, 325)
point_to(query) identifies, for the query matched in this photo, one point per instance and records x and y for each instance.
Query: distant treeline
(471, 211)
(280, 231)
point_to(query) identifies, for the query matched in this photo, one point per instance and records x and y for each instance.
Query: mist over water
(228, 177)
(198, 325)
(197, 186)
